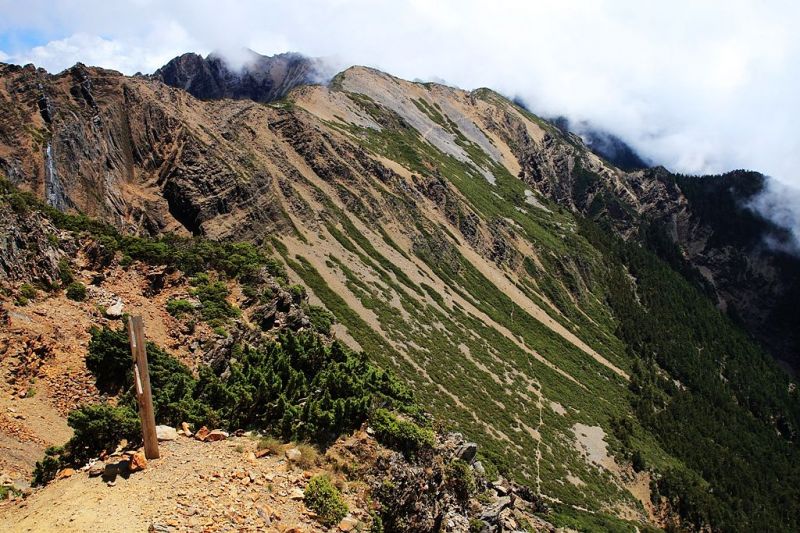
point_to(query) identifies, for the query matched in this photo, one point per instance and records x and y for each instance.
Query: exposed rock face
(259, 78)
(733, 250)
(424, 494)
(120, 153)
(27, 249)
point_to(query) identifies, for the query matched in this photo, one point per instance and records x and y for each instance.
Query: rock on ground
(164, 433)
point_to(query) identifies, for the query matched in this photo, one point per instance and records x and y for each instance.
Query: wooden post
(141, 381)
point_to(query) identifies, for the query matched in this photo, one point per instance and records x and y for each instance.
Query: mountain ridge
(455, 238)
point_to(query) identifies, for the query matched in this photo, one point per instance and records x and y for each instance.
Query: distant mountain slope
(604, 144)
(259, 78)
(475, 249)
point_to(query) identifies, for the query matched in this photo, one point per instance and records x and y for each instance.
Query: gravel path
(194, 486)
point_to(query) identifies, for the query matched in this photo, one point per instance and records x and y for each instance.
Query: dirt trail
(194, 486)
(27, 427)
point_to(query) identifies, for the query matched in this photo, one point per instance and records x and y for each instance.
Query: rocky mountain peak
(240, 75)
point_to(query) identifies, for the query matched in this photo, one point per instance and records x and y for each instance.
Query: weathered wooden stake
(141, 380)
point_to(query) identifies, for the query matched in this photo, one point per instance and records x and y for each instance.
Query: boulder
(348, 523)
(97, 469)
(202, 433)
(499, 486)
(491, 512)
(216, 435)
(166, 433)
(507, 521)
(115, 310)
(455, 522)
(467, 451)
(112, 470)
(265, 512)
(293, 455)
(67, 472)
(137, 462)
(186, 430)
(297, 494)
(21, 485)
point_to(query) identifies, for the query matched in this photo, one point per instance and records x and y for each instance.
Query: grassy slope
(504, 417)
(464, 357)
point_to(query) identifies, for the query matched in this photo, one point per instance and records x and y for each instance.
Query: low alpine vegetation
(401, 434)
(97, 428)
(177, 307)
(295, 388)
(325, 499)
(213, 295)
(76, 291)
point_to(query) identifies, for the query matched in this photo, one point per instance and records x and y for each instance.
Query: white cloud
(80, 47)
(118, 53)
(780, 204)
(697, 86)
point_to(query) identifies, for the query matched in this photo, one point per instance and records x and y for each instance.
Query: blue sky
(19, 41)
(699, 87)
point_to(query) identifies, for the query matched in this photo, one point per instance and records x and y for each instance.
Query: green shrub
(402, 435)
(46, 469)
(214, 306)
(5, 492)
(109, 359)
(300, 388)
(638, 462)
(27, 291)
(65, 272)
(173, 384)
(476, 525)
(376, 522)
(298, 292)
(76, 291)
(325, 500)
(297, 386)
(321, 319)
(177, 307)
(250, 291)
(97, 428)
(275, 268)
(492, 472)
(460, 479)
(201, 278)
(101, 427)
